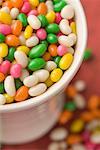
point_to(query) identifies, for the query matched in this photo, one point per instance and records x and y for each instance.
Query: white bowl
(26, 121)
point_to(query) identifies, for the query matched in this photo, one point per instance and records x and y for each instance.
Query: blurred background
(90, 74)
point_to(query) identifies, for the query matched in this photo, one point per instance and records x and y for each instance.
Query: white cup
(29, 120)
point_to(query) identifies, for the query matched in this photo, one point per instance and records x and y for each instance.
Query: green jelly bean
(2, 88)
(59, 6)
(57, 60)
(70, 106)
(87, 54)
(18, 83)
(23, 18)
(2, 38)
(44, 42)
(52, 38)
(10, 55)
(36, 64)
(56, 1)
(37, 51)
(43, 20)
(41, 0)
(52, 28)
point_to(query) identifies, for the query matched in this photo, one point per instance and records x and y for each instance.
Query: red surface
(90, 71)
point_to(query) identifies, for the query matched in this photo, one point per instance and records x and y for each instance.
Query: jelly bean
(3, 50)
(32, 41)
(71, 50)
(28, 32)
(17, 27)
(5, 29)
(67, 12)
(5, 9)
(26, 7)
(2, 99)
(24, 49)
(73, 27)
(10, 55)
(42, 8)
(43, 20)
(80, 85)
(22, 39)
(52, 50)
(59, 6)
(87, 54)
(65, 117)
(36, 64)
(58, 18)
(15, 70)
(37, 51)
(37, 90)
(14, 13)
(5, 66)
(42, 75)
(49, 5)
(5, 18)
(50, 65)
(9, 99)
(46, 56)
(64, 27)
(30, 81)
(74, 139)
(17, 3)
(66, 61)
(93, 102)
(44, 42)
(18, 83)
(2, 38)
(34, 3)
(77, 126)
(2, 77)
(22, 94)
(51, 16)
(41, 34)
(70, 106)
(49, 82)
(33, 12)
(8, 4)
(24, 74)
(79, 101)
(56, 75)
(12, 40)
(52, 28)
(22, 17)
(9, 82)
(61, 50)
(21, 58)
(2, 90)
(57, 60)
(87, 116)
(52, 38)
(71, 91)
(34, 22)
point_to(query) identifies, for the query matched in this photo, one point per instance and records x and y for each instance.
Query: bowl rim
(32, 102)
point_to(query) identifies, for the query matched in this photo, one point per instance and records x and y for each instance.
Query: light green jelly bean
(43, 20)
(10, 55)
(23, 18)
(59, 6)
(52, 38)
(52, 28)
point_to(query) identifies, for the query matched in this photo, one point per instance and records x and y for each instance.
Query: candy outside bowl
(31, 119)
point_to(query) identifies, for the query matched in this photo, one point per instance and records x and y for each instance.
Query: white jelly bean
(32, 41)
(42, 75)
(79, 101)
(78, 147)
(80, 85)
(64, 27)
(30, 80)
(21, 58)
(73, 37)
(67, 12)
(37, 90)
(24, 74)
(22, 39)
(95, 138)
(49, 5)
(5, 9)
(53, 146)
(71, 50)
(2, 99)
(9, 86)
(14, 13)
(50, 65)
(34, 22)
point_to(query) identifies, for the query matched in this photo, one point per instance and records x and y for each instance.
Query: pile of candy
(82, 119)
(37, 39)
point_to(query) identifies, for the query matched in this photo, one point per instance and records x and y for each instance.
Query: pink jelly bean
(61, 50)
(41, 34)
(26, 8)
(33, 12)
(5, 29)
(16, 70)
(58, 18)
(98, 147)
(90, 146)
(86, 136)
(5, 67)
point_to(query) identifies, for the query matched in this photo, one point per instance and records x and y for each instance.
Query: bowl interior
(69, 74)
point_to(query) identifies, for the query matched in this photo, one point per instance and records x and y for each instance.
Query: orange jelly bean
(17, 3)
(8, 4)
(71, 91)
(12, 40)
(42, 9)
(2, 77)
(47, 56)
(96, 113)
(22, 94)
(74, 139)
(87, 116)
(17, 27)
(52, 50)
(65, 117)
(93, 102)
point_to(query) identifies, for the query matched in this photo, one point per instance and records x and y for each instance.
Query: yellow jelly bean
(51, 16)
(5, 18)
(73, 27)
(28, 32)
(49, 82)
(77, 126)
(34, 3)
(3, 50)
(66, 61)
(9, 99)
(24, 49)
(56, 74)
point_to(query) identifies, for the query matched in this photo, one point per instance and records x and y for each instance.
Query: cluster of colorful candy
(82, 119)
(37, 39)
